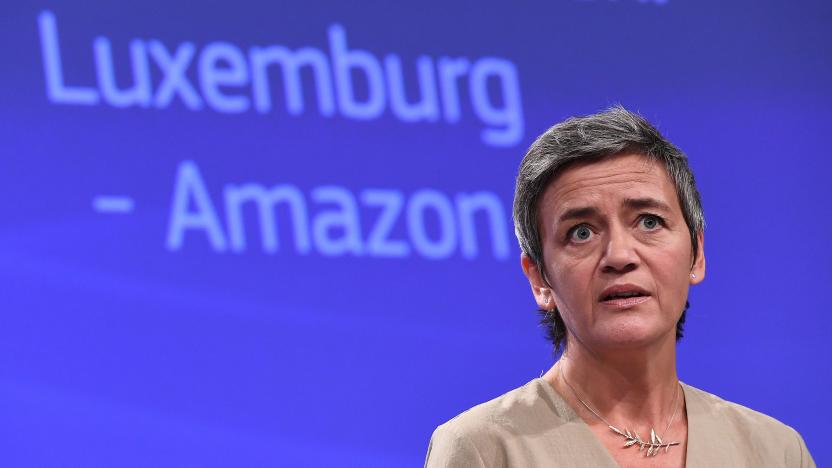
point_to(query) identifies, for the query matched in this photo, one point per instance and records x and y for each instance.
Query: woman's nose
(619, 254)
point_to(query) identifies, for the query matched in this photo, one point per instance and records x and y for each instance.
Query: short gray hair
(591, 139)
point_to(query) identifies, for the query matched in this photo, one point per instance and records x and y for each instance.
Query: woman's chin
(632, 335)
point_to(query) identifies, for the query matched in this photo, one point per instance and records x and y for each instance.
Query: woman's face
(617, 252)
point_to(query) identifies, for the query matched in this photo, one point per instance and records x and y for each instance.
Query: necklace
(653, 446)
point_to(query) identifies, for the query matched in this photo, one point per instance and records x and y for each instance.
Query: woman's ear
(541, 291)
(697, 272)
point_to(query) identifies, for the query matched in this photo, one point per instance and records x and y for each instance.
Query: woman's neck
(626, 387)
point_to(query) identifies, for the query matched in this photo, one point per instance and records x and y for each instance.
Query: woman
(610, 225)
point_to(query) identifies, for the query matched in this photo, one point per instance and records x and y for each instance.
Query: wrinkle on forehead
(586, 184)
(624, 169)
(595, 185)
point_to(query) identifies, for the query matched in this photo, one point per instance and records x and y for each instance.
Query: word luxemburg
(352, 83)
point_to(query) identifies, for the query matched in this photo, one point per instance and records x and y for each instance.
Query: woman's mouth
(622, 296)
(625, 299)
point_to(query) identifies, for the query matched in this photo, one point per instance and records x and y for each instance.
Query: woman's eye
(651, 222)
(581, 234)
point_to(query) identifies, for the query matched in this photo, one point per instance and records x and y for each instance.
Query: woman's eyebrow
(641, 203)
(631, 203)
(578, 213)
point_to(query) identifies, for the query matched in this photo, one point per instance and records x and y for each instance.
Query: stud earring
(693, 275)
(546, 301)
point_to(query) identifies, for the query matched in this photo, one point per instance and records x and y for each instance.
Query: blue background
(117, 351)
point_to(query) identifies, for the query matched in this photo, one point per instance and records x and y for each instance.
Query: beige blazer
(533, 426)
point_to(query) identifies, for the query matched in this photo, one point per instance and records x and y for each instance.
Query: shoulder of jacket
(722, 408)
(487, 419)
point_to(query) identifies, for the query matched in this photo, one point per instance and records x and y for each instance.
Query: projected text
(334, 221)
(350, 82)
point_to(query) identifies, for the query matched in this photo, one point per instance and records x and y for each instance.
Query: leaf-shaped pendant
(652, 447)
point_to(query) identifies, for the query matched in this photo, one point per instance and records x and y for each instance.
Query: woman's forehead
(609, 182)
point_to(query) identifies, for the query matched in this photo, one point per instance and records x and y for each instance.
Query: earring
(546, 301)
(693, 275)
